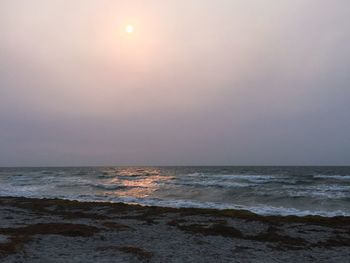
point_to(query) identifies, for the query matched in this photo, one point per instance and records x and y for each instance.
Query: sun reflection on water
(135, 182)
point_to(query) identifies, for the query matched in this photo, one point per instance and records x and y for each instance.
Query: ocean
(271, 190)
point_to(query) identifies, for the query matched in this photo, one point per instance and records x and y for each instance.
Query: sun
(129, 29)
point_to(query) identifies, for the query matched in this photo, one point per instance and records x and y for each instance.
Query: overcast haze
(202, 82)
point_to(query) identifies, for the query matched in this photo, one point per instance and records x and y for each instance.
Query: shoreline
(244, 213)
(185, 204)
(36, 230)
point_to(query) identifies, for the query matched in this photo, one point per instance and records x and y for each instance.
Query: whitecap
(336, 177)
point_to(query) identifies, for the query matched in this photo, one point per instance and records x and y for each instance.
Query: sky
(199, 82)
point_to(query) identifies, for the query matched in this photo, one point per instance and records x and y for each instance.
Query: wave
(236, 176)
(216, 184)
(243, 177)
(109, 187)
(106, 175)
(320, 188)
(23, 191)
(336, 177)
(249, 176)
(317, 195)
(261, 209)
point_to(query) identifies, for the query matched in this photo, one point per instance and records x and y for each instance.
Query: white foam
(262, 209)
(318, 195)
(214, 183)
(251, 178)
(336, 177)
(22, 191)
(321, 192)
(248, 176)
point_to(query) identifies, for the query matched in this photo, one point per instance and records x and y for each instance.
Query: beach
(55, 230)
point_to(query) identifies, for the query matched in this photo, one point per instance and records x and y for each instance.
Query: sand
(34, 230)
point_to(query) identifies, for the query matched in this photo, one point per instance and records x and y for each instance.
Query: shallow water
(264, 190)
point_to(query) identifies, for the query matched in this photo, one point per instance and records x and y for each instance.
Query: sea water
(264, 190)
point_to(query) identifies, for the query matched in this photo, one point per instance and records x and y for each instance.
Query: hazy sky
(199, 82)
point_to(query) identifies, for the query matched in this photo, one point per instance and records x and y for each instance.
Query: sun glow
(129, 29)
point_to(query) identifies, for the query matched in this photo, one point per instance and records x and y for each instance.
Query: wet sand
(52, 230)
